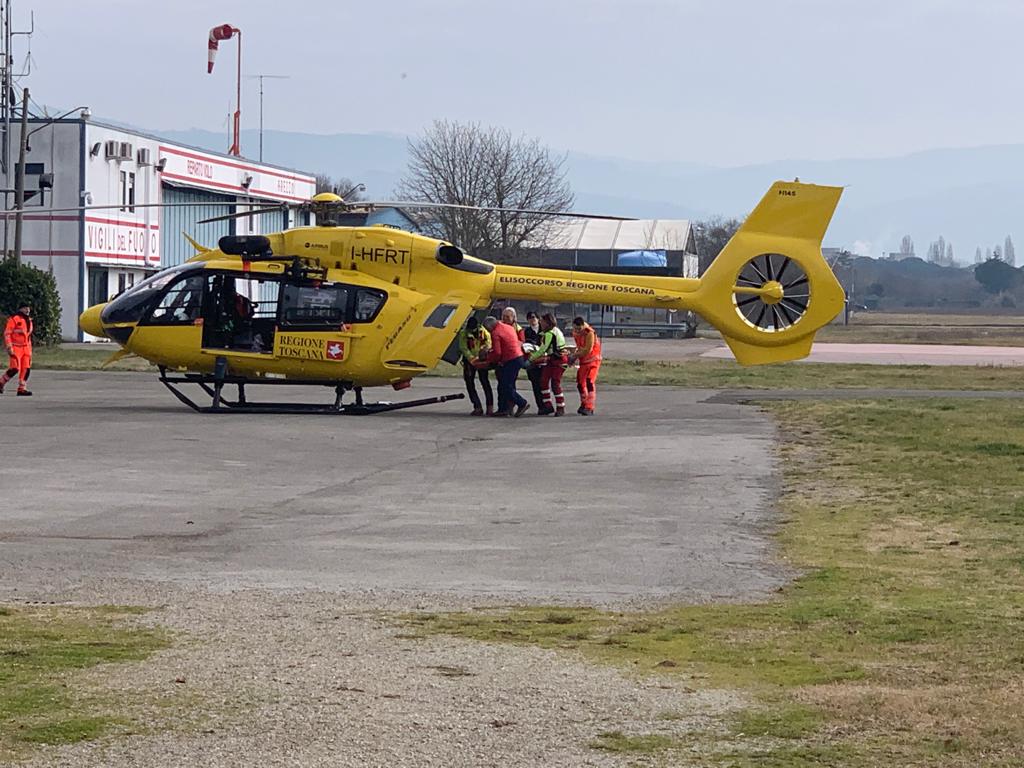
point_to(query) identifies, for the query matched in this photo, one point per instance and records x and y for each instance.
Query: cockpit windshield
(131, 306)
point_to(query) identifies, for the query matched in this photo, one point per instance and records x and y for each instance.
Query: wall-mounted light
(161, 164)
(86, 113)
(86, 198)
(95, 149)
(247, 180)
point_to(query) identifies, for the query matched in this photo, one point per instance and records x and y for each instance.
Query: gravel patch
(309, 678)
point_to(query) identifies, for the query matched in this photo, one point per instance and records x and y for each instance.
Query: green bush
(21, 283)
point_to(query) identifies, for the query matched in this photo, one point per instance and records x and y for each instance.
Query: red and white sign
(335, 350)
(199, 169)
(116, 240)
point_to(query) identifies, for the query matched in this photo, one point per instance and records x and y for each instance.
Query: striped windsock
(223, 32)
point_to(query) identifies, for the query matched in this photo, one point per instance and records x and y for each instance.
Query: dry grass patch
(42, 654)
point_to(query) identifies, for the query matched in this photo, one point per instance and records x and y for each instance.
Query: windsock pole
(236, 145)
(226, 32)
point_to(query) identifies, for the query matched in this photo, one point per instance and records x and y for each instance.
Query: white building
(96, 254)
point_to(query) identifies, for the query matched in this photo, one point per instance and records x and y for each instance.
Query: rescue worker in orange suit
(588, 355)
(18, 343)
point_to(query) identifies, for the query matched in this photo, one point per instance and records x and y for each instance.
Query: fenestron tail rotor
(772, 292)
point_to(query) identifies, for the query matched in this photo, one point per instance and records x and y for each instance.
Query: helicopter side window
(321, 305)
(367, 304)
(182, 303)
(132, 305)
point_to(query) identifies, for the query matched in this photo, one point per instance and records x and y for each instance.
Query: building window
(98, 291)
(128, 191)
(33, 173)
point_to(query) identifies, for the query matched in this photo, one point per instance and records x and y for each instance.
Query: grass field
(879, 333)
(41, 650)
(935, 319)
(920, 328)
(911, 328)
(902, 642)
(85, 359)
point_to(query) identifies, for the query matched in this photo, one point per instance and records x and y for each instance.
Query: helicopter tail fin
(770, 289)
(200, 249)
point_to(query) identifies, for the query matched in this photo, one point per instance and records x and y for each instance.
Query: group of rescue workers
(18, 344)
(507, 348)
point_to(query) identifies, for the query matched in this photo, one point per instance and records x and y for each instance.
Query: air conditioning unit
(142, 157)
(126, 151)
(111, 150)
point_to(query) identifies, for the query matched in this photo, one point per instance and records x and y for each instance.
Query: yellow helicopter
(355, 307)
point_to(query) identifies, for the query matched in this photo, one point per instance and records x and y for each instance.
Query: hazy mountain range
(972, 197)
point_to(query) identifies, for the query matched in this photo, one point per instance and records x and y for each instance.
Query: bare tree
(907, 246)
(1009, 255)
(937, 251)
(712, 235)
(467, 164)
(339, 186)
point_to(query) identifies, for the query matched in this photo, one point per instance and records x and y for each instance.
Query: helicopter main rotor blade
(37, 211)
(492, 209)
(242, 214)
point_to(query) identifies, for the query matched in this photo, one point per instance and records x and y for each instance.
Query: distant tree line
(941, 252)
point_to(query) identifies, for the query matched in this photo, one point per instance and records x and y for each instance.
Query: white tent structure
(597, 244)
(604, 236)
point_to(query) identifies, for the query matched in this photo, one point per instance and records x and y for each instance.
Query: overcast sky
(725, 82)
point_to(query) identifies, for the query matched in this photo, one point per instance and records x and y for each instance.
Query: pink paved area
(903, 354)
(675, 350)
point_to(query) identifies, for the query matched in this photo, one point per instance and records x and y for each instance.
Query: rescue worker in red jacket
(507, 352)
(588, 355)
(18, 343)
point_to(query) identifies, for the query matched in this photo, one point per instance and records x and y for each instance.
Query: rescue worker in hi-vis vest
(588, 355)
(18, 343)
(550, 359)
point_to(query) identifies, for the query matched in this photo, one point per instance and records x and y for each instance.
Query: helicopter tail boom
(768, 292)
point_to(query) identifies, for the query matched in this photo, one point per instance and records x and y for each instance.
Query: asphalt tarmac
(661, 495)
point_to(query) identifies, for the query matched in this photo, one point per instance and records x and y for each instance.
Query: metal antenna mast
(261, 78)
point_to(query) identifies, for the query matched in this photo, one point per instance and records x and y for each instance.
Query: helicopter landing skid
(213, 386)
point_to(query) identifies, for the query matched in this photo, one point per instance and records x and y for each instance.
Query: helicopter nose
(89, 321)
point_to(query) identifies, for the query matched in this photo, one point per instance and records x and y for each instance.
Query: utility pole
(19, 177)
(261, 78)
(6, 99)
